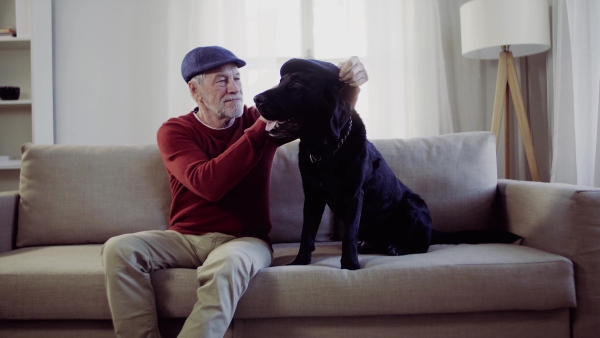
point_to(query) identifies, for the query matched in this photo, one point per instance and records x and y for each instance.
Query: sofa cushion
(60, 282)
(459, 199)
(455, 174)
(53, 282)
(448, 279)
(287, 200)
(87, 194)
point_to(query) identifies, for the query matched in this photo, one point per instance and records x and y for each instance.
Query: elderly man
(218, 158)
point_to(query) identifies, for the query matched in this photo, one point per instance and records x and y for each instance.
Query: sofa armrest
(9, 202)
(563, 219)
(559, 218)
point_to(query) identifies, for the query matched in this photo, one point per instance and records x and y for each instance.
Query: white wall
(110, 74)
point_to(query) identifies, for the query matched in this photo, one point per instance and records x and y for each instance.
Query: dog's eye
(296, 85)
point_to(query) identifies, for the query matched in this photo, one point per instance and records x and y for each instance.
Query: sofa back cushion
(455, 174)
(87, 194)
(287, 200)
(73, 194)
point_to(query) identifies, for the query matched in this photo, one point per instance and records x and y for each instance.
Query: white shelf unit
(10, 164)
(16, 103)
(26, 62)
(13, 42)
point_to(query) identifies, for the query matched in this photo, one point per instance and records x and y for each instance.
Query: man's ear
(195, 91)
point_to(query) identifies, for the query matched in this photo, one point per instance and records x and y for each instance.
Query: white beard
(228, 109)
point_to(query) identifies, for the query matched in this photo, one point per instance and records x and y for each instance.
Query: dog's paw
(300, 261)
(350, 264)
(392, 250)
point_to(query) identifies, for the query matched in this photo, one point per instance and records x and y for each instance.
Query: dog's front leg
(350, 239)
(314, 206)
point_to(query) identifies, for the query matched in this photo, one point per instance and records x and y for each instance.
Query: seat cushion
(60, 282)
(447, 279)
(53, 282)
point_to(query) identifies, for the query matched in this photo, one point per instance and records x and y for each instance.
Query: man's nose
(233, 86)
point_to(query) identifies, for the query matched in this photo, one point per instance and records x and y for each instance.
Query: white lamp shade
(486, 25)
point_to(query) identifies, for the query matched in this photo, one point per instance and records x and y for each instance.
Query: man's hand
(353, 72)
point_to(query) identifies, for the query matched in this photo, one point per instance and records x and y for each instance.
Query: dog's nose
(258, 99)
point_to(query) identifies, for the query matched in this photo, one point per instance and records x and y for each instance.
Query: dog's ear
(339, 112)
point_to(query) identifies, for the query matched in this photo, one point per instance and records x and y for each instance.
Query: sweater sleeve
(186, 157)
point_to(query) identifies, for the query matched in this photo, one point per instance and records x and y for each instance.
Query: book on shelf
(8, 31)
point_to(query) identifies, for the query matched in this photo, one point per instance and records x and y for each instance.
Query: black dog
(342, 169)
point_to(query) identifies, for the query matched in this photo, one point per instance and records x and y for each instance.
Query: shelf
(10, 164)
(14, 43)
(25, 102)
(26, 62)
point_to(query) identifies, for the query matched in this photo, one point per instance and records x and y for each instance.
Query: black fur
(342, 169)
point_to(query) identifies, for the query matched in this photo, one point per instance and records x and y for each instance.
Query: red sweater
(220, 179)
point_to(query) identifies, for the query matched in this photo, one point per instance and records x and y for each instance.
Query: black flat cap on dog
(201, 59)
(296, 65)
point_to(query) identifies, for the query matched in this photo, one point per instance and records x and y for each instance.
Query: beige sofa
(73, 198)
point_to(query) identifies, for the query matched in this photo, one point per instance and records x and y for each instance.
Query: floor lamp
(503, 30)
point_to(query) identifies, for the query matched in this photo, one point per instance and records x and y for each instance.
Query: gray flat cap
(201, 59)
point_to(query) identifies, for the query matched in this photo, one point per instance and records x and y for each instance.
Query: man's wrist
(350, 94)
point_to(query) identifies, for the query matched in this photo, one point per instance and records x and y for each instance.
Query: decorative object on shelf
(8, 31)
(10, 93)
(505, 29)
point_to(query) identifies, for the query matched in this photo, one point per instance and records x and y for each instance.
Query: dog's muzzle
(281, 129)
(277, 128)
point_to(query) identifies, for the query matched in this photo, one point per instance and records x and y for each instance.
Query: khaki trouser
(225, 265)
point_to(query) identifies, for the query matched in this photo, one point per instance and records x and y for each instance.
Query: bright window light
(339, 29)
(278, 30)
(273, 28)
